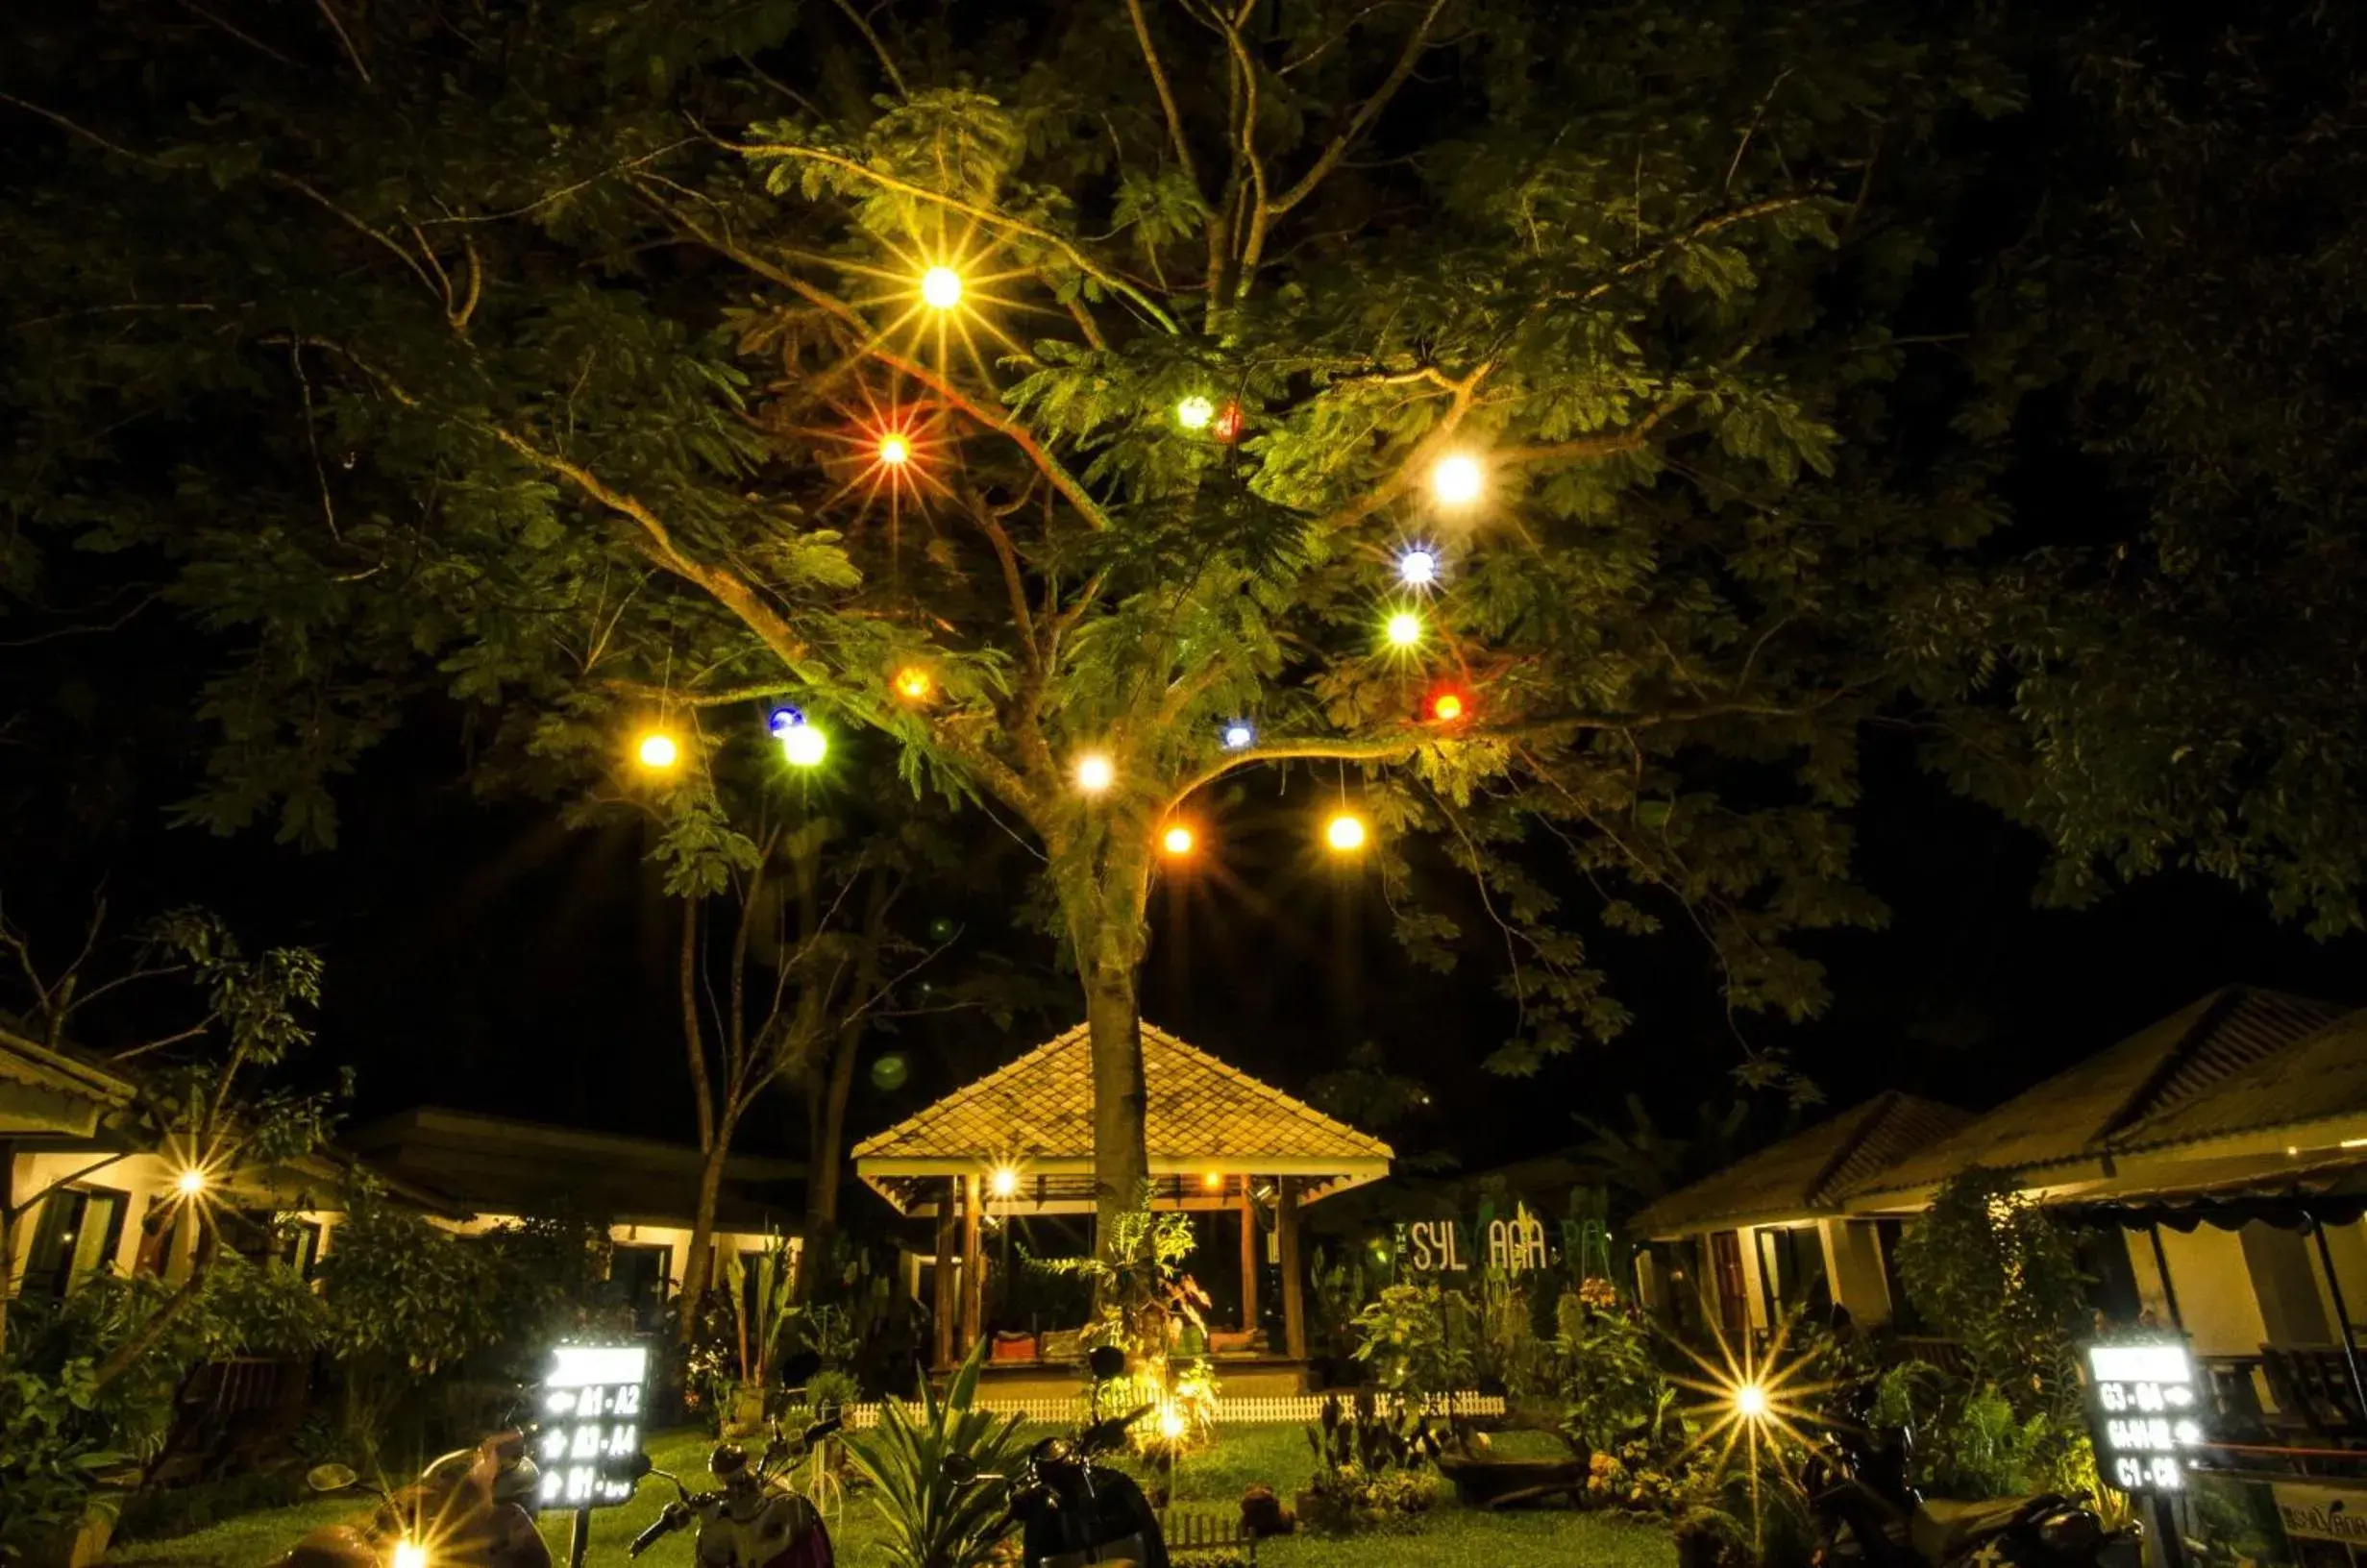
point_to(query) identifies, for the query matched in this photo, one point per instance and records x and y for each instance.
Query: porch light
(1002, 1181)
(1213, 1181)
(190, 1182)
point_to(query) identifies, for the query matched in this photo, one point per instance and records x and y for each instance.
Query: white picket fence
(1243, 1411)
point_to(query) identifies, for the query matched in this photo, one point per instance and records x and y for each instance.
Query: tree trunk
(1103, 879)
(827, 1152)
(699, 1264)
(7, 1239)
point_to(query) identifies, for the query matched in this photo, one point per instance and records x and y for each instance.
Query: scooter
(755, 1519)
(463, 1510)
(1868, 1515)
(1071, 1511)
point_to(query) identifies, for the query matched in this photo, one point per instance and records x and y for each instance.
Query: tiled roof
(1202, 1114)
(2198, 1073)
(1806, 1174)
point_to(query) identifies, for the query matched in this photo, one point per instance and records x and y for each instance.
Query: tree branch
(895, 78)
(1166, 93)
(1365, 114)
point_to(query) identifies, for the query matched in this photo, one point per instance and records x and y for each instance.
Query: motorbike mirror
(625, 1467)
(330, 1478)
(1107, 1362)
(822, 1428)
(958, 1468)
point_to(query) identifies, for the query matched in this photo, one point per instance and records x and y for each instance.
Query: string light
(896, 448)
(1239, 736)
(913, 683)
(1177, 840)
(805, 747)
(782, 720)
(1457, 479)
(1229, 422)
(657, 751)
(941, 288)
(1094, 773)
(1449, 706)
(1194, 412)
(1417, 568)
(1404, 629)
(1002, 1181)
(1346, 832)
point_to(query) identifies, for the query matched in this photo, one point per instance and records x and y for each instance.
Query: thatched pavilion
(1019, 1142)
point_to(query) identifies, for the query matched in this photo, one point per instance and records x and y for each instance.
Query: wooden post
(974, 1266)
(941, 1280)
(1294, 1300)
(1249, 1258)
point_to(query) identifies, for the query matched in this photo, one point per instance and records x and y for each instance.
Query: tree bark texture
(698, 1265)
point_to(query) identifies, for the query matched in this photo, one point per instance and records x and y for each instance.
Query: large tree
(578, 358)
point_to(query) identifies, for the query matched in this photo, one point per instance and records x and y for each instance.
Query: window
(639, 1275)
(1726, 1270)
(300, 1246)
(1791, 1270)
(76, 1235)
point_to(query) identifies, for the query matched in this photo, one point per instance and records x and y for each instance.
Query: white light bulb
(1238, 737)
(1094, 773)
(941, 288)
(1417, 568)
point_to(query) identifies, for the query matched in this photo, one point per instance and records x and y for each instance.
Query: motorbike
(1869, 1515)
(754, 1519)
(1073, 1512)
(466, 1507)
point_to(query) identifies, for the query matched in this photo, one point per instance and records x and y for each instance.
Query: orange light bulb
(913, 683)
(1446, 707)
(895, 449)
(1178, 840)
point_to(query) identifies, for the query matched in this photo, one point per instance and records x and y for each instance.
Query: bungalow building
(2216, 1160)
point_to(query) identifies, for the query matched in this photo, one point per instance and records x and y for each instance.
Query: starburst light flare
(941, 288)
(1418, 567)
(1094, 773)
(1404, 629)
(1002, 1181)
(1760, 1402)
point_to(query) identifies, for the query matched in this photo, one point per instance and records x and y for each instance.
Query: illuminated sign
(591, 1423)
(2144, 1414)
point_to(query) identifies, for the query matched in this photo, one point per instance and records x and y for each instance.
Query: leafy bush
(1418, 1340)
(932, 1522)
(1612, 1389)
(1373, 1469)
(52, 1453)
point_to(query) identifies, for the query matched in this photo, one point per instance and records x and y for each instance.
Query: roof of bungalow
(50, 1092)
(1807, 1174)
(1203, 1118)
(2239, 1061)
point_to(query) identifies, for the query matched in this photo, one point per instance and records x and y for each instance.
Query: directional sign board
(592, 1402)
(2144, 1412)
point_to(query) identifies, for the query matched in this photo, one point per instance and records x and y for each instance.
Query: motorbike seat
(1942, 1526)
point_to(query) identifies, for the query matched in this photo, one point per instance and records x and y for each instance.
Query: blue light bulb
(784, 719)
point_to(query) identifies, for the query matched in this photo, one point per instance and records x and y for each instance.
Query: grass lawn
(1449, 1537)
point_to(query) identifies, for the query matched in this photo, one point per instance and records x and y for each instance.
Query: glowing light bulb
(1750, 1401)
(784, 719)
(410, 1554)
(1457, 481)
(1002, 1181)
(1447, 706)
(1213, 1180)
(913, 683)
(1229, 422)
(941, 288)
(1239, 736)
(657, 751)
(895, 449)
(1417, 568)
(1094, 773)
(803, 745)
(1345, 832)
(1404, 629)
(1178, 840)
(190, 1182)
(1195, 413)
(1172, 1424)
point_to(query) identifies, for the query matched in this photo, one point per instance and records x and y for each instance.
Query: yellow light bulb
(1750, 1401)
(913, 684)
(1346, 832)
(1094, 773)
(1213, 1181)
(1457, 481)
(410, 1554)
(1405, 630)
(941, 288)
(1177, 840)
(657, 751)
(1003, 1181)
(805, 747)
(895, 450)
(1195, 413)
(190, 1182)
(1170, 1424)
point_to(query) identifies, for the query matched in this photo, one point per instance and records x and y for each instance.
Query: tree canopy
(601, 365)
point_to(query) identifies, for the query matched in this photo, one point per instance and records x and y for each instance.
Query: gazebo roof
(1204, 1119)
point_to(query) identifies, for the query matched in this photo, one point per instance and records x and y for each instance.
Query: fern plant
(934, 1521)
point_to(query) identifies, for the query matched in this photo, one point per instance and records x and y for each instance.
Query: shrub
(1373, 1470)
(932, 1522)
